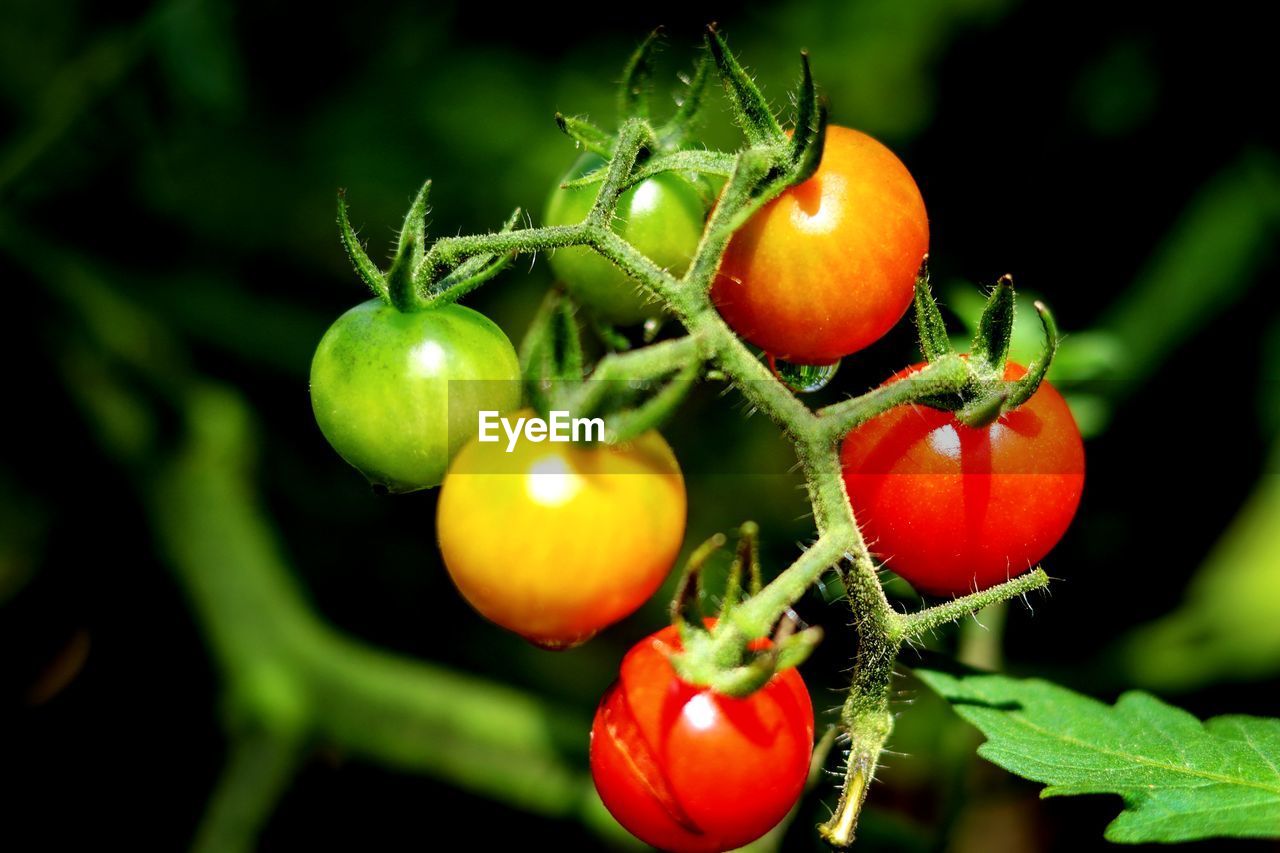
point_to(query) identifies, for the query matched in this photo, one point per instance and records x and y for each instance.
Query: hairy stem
(923, 621)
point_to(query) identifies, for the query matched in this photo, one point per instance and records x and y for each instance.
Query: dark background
(166, 186)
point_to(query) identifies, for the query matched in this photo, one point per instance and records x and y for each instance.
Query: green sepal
(984, 409)
(586, 134)
(413, 232)
(795, 649)
(934, 341)
(567, 344)
(689, 109)
(788, 649)
(1039, 368)
(810, 135)
(741, 681)
(472, 272)
(402, 288)
(364, 265)
(750, 109)
(747, 557)
(635, 92)
(995, 329)
(684, 603)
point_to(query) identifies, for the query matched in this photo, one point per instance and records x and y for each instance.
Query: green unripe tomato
(398, 394)
(662, 217)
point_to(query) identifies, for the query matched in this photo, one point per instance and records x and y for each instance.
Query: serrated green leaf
(1181, 779)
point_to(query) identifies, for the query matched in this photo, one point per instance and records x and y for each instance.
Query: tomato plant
(812, 251)
(661, 216)
(689, 770)
(556, 541)
(398, 393)
(827, 267)
(953, 508)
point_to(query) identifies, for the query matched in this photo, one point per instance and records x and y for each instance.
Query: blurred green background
(211, 631)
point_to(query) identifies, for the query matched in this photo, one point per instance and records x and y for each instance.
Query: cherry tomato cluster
(557, 541)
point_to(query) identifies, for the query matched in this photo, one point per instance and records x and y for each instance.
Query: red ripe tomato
(689, 770)
(954, 508)
(829, 266)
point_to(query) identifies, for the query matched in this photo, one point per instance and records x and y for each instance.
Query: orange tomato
(829, 266)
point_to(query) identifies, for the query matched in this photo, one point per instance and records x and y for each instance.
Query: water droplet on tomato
(651, 328)
(803, 378)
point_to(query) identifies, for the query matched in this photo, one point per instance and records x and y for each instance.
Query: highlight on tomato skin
(692, 771)
(828, 267)
(953, 508)
(556, 541)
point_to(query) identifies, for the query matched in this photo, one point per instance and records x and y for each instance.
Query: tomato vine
(437, 274)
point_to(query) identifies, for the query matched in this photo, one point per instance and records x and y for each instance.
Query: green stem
(756, 616)
(258, 770)
(865, 717)
(948, 374)
(646, 363)
(931, 618)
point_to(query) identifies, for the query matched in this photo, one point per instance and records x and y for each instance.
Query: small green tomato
(398, 394)
(661, 216)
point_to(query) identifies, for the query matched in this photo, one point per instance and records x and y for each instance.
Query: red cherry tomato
(689, 770)
(954, 508)
(829, 266)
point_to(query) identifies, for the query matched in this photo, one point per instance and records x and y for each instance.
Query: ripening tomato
(954, 508)
(556, 541)
(689, 770)
(397, 394)
(829, 266)
(661, 216)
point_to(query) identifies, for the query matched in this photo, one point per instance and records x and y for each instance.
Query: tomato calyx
(987, 394)
(716, 652)
(414, 281)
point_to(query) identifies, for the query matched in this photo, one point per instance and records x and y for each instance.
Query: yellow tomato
(555, 541)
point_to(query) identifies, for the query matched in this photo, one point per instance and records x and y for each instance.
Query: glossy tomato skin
(952, 508)
(692, 771)
(397, 394)
(556, 541)
(829, 266)
(662, 217)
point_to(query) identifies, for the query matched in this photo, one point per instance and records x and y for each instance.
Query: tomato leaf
(1181, 779)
